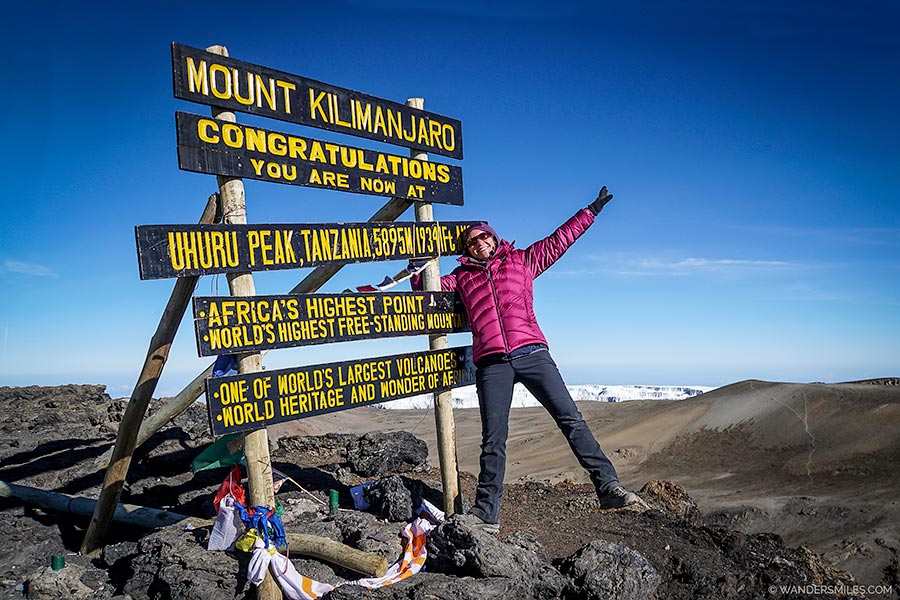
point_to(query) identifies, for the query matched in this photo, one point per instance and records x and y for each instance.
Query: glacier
(466, 397)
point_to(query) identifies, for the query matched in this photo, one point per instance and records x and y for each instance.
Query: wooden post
(179, 403)
(256, 443)
(126, 437)
(443, 401)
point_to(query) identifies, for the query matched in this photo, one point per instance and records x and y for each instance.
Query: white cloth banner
(228, 527)
(295, 586)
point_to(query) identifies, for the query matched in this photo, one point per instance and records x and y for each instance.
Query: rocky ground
(555, 542)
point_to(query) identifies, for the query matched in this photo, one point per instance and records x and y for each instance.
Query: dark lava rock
(306, 450)
(115, 553)
(428, 586)
(604, 569)
(174, 564)
(394, 498)
(377, 453)
(456, 549)
(371, 454)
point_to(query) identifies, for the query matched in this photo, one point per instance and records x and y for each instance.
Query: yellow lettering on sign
(423, 133)
(365, 166)
(381, 165)
(245, 87)
(406, 386)
(349, 156)
(434, 133)
(204, 126)
(216, 248)
(283, 239)
(362, 393)
(379, 122)
(277, 144)
(258, 165)
(224, 92)
(315, 104)
(336, 113)
(395, 161)
(257, 140)
(266, 247)
(297, 148)
(448, 138)
(377, 185)
(394, 124)
(361, 115)
(250, 97)
(286, 89)
(232, 392)
(232, 135)
(198, 79)
(268, 92)
(253, 243)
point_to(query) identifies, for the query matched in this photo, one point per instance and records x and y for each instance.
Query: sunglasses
(481, 237)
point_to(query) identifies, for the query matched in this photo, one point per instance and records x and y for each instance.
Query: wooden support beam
(157, 354)
(324, 549)
(443, 401)
(179, 403)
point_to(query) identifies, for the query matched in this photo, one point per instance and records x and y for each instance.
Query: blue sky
(752, 149)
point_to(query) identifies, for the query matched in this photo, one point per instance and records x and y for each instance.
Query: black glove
(602, 198)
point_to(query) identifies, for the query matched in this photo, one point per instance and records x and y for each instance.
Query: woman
(494, 280)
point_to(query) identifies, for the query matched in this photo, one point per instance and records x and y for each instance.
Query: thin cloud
(637, 266)
(25, 268)
(691, 264)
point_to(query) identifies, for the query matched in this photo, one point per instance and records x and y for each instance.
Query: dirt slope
(815, 463)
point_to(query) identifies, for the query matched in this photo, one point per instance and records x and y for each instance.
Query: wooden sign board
(207, 145)
(256, 400)
(188, 250)
(230, 325)
(207, 78)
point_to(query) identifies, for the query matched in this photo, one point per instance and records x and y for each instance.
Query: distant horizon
(118, 386)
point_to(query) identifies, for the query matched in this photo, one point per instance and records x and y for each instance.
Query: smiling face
(480, 244)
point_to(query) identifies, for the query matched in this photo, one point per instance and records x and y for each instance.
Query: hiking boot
(617, 497)
(474, 522)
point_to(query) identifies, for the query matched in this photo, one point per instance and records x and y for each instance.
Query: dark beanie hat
(481, 225)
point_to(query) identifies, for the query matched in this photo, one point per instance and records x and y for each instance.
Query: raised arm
(448, 282)
(543, 253)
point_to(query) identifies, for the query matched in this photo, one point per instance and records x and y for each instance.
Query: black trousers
(538, 373)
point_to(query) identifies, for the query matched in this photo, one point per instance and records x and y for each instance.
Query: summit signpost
(244, 323)
(247, 402)
(206, 145)
(207, 78)
(230, 325)
(229, 149)
(188, 250)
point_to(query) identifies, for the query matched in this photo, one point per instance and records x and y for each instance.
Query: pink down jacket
(499, 296)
